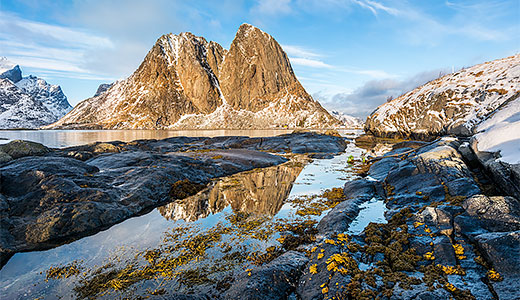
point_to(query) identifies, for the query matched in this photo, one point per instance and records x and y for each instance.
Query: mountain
(186, 82)
(347, 120)
(51, 96)
(10, 71)
(19, 110)
(103, 88)
(452, 104)
(28, 102)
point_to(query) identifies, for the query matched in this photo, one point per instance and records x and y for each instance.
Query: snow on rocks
(452, 104)
(501, 133)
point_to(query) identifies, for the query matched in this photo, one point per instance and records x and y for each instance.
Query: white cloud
(299, 51)
(48, 47)
(309, 62)
(363, 100)
(273, 7)
(375, 7)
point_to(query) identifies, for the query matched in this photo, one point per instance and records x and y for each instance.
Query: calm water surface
(265, 193)
(66, 138)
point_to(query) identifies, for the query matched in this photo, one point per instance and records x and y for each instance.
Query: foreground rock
(443, 238)
(275, 280)
(69, 193)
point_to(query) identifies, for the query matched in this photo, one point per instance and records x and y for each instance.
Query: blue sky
(349, 54)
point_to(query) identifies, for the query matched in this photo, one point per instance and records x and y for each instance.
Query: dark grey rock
(497, 213)
(339, 218)
(103, 88)
(502, 249)
(15, 74)
(276, 280)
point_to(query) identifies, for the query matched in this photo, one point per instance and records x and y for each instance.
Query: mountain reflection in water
(257, 192)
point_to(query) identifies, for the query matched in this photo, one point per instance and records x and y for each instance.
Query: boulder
(19, 148)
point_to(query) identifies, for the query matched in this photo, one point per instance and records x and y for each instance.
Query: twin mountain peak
(186, 82)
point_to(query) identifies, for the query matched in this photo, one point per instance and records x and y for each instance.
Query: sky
(351, 55)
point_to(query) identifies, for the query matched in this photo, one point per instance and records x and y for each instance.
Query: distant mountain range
(28, 102)
(186, 82)
(453, 104)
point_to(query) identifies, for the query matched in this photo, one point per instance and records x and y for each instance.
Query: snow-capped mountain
(347, 120)
(28, 102)
(51, 96)
(452, 104)
(187, 82)
(19, 110)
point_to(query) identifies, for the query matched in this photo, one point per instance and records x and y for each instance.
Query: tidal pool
(196, 244)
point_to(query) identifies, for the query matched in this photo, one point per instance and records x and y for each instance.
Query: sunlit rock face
(259, 192)
(186, 82)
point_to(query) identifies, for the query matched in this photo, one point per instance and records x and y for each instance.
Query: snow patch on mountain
(51, 96)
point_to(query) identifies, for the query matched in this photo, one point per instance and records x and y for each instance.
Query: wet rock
(276, 280)
(502, 250)
(19, 148)
(81, 155)
(310, 285)
(53, 200)
(409, 144)
(339, 218)
(419, 292)
(426, 184)
(497, 213)
(443, 249)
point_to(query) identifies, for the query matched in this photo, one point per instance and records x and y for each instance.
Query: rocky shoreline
(443, 238)
(452, 225)
(50, 197)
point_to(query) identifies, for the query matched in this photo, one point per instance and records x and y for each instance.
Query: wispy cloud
(48, 47)
(310, 62)
(376, 7)
(299, 51)
(272, 7)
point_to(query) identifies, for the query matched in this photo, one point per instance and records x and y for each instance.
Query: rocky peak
(10, 70)
(28, 102)
(186, 82)
(103, 88)
(51, 96)
(256, 63)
